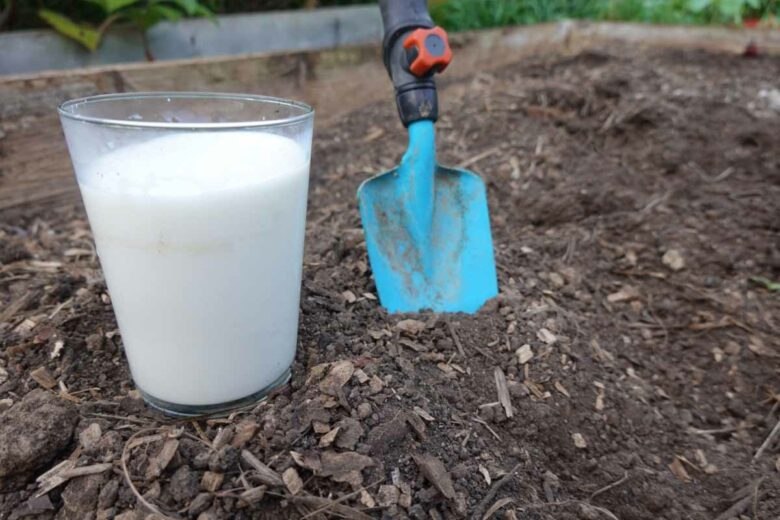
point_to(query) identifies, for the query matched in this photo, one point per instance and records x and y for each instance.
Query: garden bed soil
(635, 199)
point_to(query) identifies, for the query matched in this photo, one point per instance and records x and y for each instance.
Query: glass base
(197, 410)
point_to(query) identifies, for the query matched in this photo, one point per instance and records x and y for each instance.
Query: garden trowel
(427, 226)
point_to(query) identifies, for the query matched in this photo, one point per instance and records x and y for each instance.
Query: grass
(459, 15)
(766, 283)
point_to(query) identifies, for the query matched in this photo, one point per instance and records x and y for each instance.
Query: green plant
(723, 10)
(650, 11)
(475, 14)
(766, 283)
(142, 14)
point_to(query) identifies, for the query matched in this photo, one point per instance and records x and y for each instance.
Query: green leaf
(188, 6)
(699, 5)
(731, 9)
(205, 12)
(142, 17)
(163, 12)
(82, 33)
(766, 283)
(111, 6)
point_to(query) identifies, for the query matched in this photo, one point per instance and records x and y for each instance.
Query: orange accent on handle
(426, 61)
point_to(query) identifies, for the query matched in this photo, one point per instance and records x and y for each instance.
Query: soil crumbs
(629, 368)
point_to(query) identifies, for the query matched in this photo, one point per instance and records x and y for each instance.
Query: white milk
(200, 237)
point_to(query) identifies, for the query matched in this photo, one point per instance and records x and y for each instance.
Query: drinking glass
(197, 204)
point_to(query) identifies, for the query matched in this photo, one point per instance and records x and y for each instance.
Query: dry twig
(134, 441)
(768, 441)
(609, 486)
(341, 499)
(491, 494)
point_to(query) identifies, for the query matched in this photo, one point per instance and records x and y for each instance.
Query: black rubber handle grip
(415, 97)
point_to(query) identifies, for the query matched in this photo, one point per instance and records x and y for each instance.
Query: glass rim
(65, 111)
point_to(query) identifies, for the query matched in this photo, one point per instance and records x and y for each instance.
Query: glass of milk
(197, 204)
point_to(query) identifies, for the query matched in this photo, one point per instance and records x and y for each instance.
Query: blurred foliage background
(25, 12)
(452, 14)
(477, 14)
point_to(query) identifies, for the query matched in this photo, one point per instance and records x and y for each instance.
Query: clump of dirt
(628, 369)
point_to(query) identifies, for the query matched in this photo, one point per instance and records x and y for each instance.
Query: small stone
(245, 431)
(364, 410)
(40, 416)
(251, 496)
(375, 385)
(460, 505)
(579, 440)
(3, 375)
(184, 484)
(110, 446)
(57, 350)
(108, 494)
(366, 499)
(161, 458)
(405, 501)
(320, 427)
(546, 336)
(201, 460)
(524, 354)
(460, 471)
(411, 327)
(417, 424)
(388, 495)
(133, 402)
(388, 435)
(327, 439)
(212, 481)
(337, 377)
(557, 280)
(361, 376)
(108, 513)
(90, 436)
(293, 481)
(673, 260)
(436, 473)
(342, 466)
(350, 432)
(551, 485)
(772, 98)
(428, 495)
(223, 436)
(43, 377)
(133, 514)
(95, 341)
(406, 366)
(423, 414)
(199, 504)
(5, 404)
(81, 493)
(626, 294)
(588, 512)
(224, 459)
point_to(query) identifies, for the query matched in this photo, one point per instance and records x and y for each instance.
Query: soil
(635, 204)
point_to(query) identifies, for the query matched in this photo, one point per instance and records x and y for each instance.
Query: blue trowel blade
(427, 231)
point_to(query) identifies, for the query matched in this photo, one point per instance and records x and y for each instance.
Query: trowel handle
(413, 50)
